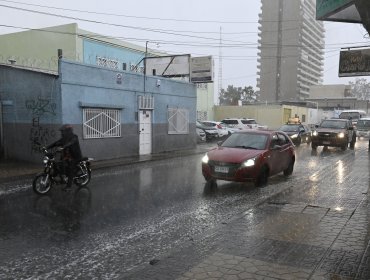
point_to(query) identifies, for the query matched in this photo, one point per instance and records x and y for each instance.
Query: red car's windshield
(246, 140)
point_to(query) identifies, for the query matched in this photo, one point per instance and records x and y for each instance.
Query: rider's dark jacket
(71, 147)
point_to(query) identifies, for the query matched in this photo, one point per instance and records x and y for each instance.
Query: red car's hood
(232, 155)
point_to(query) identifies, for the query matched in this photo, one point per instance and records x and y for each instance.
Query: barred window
(101, 123)
(178, 121)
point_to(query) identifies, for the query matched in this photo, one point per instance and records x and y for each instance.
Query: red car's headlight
(205, 159)
(250, 162)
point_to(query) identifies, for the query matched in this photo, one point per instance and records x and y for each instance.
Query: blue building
(115, 113)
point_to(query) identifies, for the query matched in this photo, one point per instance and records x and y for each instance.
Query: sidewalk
(12, 169)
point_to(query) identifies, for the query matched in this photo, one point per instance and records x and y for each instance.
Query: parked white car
(230, 129)
(222, 132)
(243, 123)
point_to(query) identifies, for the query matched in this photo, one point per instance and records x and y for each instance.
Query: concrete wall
(271, 115)
(31, 110)
(329, 91)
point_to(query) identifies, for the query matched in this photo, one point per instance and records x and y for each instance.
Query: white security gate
(145, 131)
(101, 123)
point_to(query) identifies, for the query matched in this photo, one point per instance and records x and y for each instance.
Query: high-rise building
(291, 50)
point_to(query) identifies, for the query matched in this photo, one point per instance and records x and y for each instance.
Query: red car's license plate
(221, 169)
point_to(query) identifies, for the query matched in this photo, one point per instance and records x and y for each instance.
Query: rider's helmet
(66, 130)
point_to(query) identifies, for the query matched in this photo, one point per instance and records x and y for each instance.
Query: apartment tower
(291, 50)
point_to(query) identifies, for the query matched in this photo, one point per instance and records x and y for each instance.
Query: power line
(142, 17)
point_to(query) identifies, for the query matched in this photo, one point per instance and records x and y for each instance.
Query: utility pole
(146, 53)
(220, 65)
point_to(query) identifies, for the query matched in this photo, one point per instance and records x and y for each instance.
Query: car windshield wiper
(246, 147)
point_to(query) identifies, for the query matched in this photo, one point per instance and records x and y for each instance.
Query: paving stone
(246, 268)
(341, 263)
(313, 210)
(285, 226)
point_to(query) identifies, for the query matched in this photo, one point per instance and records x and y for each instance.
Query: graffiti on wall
(41, 106)
(40, 135)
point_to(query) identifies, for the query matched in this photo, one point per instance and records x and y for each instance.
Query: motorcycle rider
(71, 151)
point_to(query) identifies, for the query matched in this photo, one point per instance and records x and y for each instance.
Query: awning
(352, 11)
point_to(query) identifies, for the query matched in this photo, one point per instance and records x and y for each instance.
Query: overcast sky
(187, 27)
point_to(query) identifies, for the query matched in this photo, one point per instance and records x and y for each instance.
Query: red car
(251, 155)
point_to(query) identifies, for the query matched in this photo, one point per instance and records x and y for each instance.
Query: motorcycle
(54, 173)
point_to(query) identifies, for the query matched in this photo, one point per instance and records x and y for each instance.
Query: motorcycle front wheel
(42, 183)
(83, 176)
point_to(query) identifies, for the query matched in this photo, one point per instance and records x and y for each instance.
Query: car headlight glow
(205, 159)
(341, 135)
(314, 133)
(294, 136)
(250, 162)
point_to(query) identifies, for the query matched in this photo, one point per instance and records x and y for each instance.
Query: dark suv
(334, 133)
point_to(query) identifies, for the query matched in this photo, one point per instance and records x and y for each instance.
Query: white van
(353, 115)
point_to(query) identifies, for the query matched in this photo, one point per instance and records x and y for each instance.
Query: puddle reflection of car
(298, 133)
(250, 155)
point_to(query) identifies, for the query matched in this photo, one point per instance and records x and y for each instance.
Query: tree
(249, 95)
(360, 89)
(232, 95)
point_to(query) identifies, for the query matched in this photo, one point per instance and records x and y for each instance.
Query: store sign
(325, 8)
(354, 63)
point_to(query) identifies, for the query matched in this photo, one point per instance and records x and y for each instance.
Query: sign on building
(193, 69)
(354, 63)
(201, 69)
(173, 66)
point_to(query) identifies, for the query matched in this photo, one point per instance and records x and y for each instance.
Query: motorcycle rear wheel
(41, 183)
(83, 177)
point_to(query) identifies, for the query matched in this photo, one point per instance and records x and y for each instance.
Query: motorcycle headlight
(205, 159)
(294, 136)
(250, 162)
(46, 159)
(314, 133)
(341, 135)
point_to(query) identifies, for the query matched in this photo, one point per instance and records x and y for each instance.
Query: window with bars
(101, 123)
(178, 121)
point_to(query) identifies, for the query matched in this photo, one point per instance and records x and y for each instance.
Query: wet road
(130, 216)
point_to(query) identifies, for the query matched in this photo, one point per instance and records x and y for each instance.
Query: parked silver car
(210, 132)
